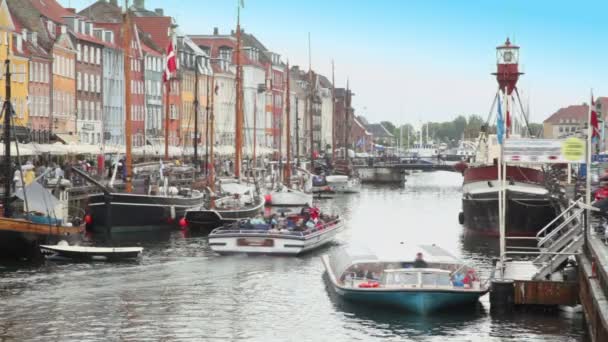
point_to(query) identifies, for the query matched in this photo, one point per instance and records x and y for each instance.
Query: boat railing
(266, 232)
(548, 227)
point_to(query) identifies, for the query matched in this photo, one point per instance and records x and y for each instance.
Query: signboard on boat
(544, 151)
(255, 242)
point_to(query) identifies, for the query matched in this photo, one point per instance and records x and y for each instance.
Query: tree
(389, 126)
(536, 129)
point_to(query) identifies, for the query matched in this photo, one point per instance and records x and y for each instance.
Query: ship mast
(238, 152)
(310, 108)
(287, 172)
(333, 114)
(211, 124)
(127, 59)
(7, 138)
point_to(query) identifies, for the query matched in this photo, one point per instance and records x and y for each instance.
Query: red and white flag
(594, 122)
(171, 65)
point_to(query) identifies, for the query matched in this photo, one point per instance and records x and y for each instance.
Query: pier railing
(558, 240)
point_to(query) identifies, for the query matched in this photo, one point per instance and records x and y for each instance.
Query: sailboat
(32, 215)
(344, 180)
(282, 194)
(161, 204)
(239, 200)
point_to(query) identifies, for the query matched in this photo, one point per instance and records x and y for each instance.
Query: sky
(423, 60)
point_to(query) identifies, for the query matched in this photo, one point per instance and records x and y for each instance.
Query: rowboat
(443, 281)
(90, 253)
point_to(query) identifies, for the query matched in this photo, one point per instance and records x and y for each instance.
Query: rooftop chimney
(71, 10)
(159, 12)
(216, 31)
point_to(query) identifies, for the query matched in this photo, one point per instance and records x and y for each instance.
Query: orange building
(64, 87)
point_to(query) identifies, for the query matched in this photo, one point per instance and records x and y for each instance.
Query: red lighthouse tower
(507, 66)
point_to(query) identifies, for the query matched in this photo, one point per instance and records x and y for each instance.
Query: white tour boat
(289, 236)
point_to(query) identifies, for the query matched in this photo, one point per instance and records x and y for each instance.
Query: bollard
(502, 296)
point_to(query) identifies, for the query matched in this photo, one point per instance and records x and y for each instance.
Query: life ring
(461, 217)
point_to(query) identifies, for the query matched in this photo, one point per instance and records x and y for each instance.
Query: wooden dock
(593, 284)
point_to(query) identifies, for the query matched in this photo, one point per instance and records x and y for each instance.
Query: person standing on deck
(419, 262)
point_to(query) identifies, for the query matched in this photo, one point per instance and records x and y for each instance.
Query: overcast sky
(416, 60)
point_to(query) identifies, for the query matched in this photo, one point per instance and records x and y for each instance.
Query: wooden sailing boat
(128, 212)
(38, 222)
(343, 179)
(244, 202)
(283, 194)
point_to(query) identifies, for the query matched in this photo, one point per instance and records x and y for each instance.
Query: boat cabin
(364, 270)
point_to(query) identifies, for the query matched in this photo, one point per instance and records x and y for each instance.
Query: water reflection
(181, 290)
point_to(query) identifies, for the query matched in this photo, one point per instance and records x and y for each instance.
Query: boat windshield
(436, 279)
(401, 278)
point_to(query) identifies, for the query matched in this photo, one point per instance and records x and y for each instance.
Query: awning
(67, 138)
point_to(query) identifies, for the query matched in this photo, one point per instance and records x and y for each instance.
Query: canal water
(180, 290)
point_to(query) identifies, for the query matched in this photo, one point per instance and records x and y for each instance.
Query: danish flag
(171, 65)
(594, 120)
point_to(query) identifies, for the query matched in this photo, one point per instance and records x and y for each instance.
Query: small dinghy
(63, 250)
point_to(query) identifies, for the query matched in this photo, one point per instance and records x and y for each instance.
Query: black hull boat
(525, 215)
(209, 219)
(529, 205)
(124, 213)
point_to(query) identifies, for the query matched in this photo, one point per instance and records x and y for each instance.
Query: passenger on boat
(419, 262)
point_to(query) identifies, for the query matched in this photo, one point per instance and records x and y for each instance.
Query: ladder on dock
(558, 243)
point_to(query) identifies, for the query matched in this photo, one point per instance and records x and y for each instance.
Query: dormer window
(50, 27)
(226, 53)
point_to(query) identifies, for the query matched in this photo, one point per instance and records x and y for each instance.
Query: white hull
(252, 242)
(343, 184)
(290, 198)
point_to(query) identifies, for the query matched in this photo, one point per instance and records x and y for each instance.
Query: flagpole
(501, 214)
(588, 167)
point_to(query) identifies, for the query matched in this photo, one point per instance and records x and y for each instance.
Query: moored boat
(226, 210)
(343, 184)
(90, 253)
(285, 197)
(127, 212)
(289, 236)
(441, 282)
(530, 204)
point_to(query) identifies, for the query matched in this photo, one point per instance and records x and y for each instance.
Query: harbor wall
(593, 284)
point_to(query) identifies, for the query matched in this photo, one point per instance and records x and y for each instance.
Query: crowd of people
(309, 220)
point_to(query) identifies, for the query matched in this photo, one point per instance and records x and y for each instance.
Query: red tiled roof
(576, 112)
(150, 50)
(51, 9)
(215, 42)
(28, 48)
(157, 27)
(16, 23)
(117, 29)
(91, 39)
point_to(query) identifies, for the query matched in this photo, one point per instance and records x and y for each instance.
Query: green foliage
(450, 132)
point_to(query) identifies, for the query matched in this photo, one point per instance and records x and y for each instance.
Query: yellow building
(11, 43)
